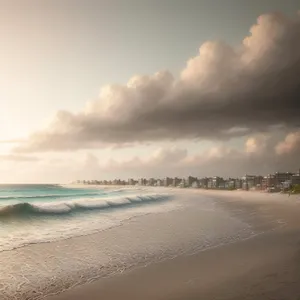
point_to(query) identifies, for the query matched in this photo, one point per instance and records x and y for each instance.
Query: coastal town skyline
(277, 181)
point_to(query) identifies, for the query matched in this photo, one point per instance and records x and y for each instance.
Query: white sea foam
(39, 222)
(185, 226)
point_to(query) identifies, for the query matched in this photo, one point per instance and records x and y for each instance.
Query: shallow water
(31, 214)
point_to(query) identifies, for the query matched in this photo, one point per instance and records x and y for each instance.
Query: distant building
(183, 183)
(210, 183)
(203, 182)
(238, 183)
(176, 181)
(276, 181)
(167, 181)
(195, 184)
(267, 182)
(131, 181)
(151, 182)
(190, 180)
(222, 184)
(230, 184)
(295, 179)
(159, 182)
(117, 182)
(251, 181)
(272, 182)
(286, 185)
(281, 177)
(142, 181)
(217, 182)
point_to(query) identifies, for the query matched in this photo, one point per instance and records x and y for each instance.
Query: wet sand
(266, 266)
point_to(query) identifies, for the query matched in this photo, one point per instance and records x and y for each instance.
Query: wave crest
(59, 208)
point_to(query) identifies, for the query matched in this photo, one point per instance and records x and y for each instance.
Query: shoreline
(99, 186)
(264, 262)
(265, 265)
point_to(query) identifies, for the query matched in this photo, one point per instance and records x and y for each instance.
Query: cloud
(168, 156)
(256, 144)
(221, 93)
(291, 145)
(260, 155)
(16, 141)
(18, 158)
(161, 157)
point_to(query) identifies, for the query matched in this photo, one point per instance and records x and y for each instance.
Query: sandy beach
(265, 266)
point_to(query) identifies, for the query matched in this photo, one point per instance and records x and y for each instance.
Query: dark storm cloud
(223, 92)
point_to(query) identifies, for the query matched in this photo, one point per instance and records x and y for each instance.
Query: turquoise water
(39, 193)
(31, 214)
(18, 200)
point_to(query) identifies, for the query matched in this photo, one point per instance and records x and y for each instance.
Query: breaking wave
(68, 207)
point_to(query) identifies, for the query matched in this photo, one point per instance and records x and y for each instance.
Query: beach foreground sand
(266, 266)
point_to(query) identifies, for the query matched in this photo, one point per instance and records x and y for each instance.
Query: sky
(131, 88)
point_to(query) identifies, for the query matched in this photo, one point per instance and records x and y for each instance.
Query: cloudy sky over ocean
(148, 88)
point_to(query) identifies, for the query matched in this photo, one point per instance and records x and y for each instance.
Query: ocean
(53, 238)
(32, 214)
